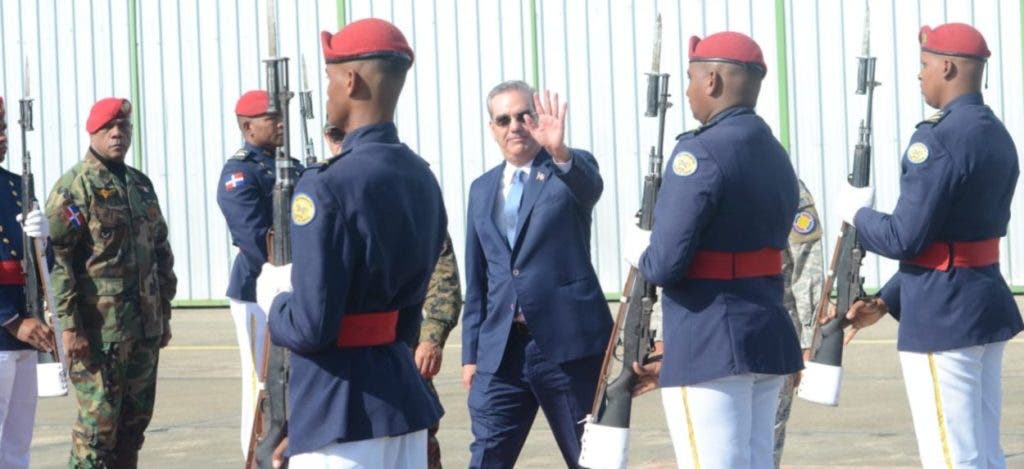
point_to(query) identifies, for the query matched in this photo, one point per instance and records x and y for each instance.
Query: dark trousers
(503, 404)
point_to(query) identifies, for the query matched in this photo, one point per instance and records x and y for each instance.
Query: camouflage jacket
(113, 277)
(444, 298)
(803, 268)
(802, 271)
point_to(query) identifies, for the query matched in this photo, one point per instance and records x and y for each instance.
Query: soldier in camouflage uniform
(802, 270)
(114, 281)
(440, 315)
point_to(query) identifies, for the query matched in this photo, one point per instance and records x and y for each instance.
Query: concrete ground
(196, 420)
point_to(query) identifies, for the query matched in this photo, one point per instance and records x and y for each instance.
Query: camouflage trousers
(115, 387)
(433, 446)
(782, 416)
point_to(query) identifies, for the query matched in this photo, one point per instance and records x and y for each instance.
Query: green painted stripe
(533, 44)
(782, 65)
(342, 19)
(133, 66)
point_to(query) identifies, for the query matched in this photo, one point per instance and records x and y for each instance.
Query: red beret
(252, 103)
(106, 110)
(958, 39)
(728, 46)
(365, 39)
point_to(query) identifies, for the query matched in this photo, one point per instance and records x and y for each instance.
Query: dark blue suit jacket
(547, 271)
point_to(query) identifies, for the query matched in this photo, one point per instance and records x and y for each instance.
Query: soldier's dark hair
(392, 65)
(511, 85)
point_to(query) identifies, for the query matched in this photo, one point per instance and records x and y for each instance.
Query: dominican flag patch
(234, 181)
(74, 216)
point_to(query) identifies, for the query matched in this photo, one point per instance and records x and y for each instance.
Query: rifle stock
(823, 374)
(606, 434)
(270, 423)
(52, 366)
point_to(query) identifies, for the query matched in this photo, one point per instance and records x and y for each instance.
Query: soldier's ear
(714, 84)
(352, 81)
(949, 69)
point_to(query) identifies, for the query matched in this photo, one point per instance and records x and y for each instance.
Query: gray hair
(511, 85)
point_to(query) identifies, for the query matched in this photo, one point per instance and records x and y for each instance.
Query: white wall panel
(195, 59)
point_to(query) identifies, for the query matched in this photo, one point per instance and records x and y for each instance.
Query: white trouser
(726, 422)
(956, 399)
(250, 330)
(17, 406)
(407, 451)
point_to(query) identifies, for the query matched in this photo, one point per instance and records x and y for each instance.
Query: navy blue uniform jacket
(375, 233)
(547, 272)
(728, 187)
(957, 182)
(12, 297)
(245, 195)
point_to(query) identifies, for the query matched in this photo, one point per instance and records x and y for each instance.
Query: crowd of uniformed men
(735, 248)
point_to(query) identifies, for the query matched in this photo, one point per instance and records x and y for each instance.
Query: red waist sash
(367, 330)
(11, 273)
(943, 255)
(721, 265)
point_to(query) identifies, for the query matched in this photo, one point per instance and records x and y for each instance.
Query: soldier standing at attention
(724, 214)
(245, 196)
(114, 281)
(803, 264)
(802, 271)
(440, 314)
(22, 333)
(955, 311)
(355, 395)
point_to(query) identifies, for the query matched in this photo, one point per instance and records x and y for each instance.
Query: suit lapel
(492, 204)
(535, 185)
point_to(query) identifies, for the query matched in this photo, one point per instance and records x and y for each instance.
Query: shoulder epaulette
(688, 132)
(933, 119)
(240, 154)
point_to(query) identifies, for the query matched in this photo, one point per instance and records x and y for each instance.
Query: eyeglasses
(504, 120)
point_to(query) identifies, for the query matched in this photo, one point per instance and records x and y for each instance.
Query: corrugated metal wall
(195, 58)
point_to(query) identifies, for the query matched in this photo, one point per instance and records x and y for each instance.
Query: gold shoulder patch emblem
(303, 210)
(804, 222)
(684, 164)
(917, 153)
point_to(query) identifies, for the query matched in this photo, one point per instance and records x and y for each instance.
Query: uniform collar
(379, 133)
(259, 153)
(964, 100)
(721, 116)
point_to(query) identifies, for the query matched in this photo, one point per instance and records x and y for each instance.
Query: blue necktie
(510, 213)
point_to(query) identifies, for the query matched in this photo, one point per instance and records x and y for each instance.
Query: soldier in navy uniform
(722, 220)
(245, 196)
(956, 313)
(367, 230)
(22, 334)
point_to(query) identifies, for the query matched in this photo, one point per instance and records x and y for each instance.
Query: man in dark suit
(535, 322)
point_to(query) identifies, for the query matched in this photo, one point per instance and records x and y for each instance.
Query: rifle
(306, 111)
(823, 375)
(51, 365)
(270, 424)
(613, 400)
